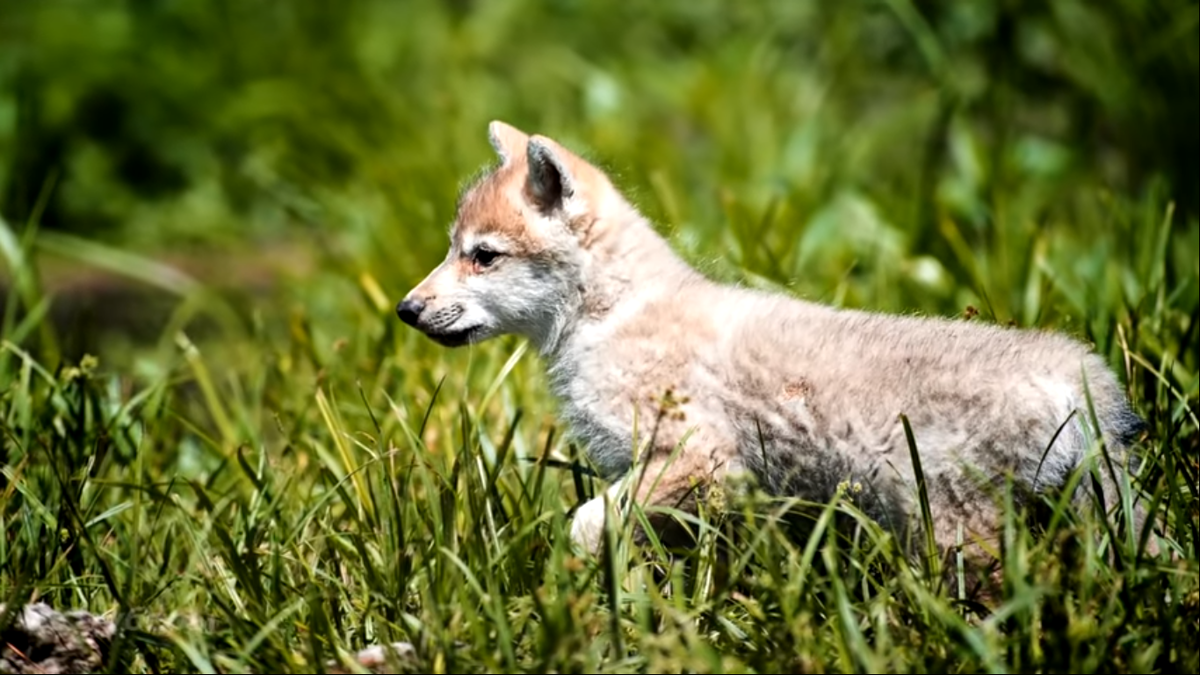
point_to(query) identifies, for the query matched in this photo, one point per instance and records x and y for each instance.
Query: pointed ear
(508, 141)
(550, 181)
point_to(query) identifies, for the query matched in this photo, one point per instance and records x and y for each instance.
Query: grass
(262, 476)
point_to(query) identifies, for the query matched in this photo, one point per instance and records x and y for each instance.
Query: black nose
(410, 309)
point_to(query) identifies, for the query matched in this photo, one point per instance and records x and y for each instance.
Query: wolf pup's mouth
(455, 338)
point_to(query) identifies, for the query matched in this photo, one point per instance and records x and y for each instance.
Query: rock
(39, 639)
(376, 659)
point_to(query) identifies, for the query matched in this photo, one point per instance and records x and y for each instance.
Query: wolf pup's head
(519, 247)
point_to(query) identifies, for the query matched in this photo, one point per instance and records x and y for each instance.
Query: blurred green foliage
(163, 124)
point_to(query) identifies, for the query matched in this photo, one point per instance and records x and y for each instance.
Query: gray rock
(40, 639)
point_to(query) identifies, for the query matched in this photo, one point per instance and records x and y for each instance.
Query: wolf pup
(801, 397)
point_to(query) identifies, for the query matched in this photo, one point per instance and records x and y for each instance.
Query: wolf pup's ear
(508, 141)
(550, 181)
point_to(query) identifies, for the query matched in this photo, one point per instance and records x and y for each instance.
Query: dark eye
(484, 257)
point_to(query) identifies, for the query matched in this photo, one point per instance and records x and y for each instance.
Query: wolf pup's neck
(626, 266)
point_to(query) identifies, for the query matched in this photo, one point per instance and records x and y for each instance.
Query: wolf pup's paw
(587, 528)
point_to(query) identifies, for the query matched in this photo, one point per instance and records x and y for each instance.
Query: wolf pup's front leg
(658, 485)
(587, 527)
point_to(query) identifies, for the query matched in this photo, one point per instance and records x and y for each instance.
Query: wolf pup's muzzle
(410, 310)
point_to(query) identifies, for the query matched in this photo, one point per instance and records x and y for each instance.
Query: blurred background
(224, 165)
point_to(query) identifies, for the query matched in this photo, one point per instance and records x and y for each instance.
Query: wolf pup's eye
(484, 257)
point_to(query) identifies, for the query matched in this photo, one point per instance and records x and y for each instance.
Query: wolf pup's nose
(409, 309)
